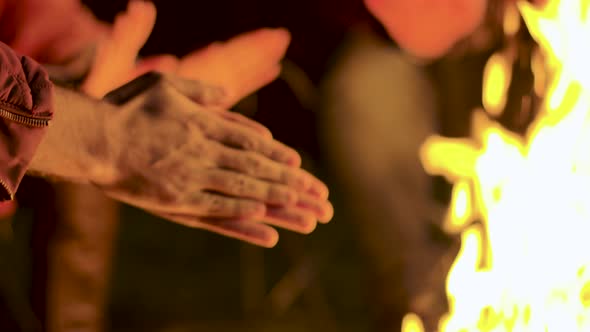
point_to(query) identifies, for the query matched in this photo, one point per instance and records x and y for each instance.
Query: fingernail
(328, 213)
(282, 196)
(271, 240)
(319, 190)
(294, 160)
(309, 227)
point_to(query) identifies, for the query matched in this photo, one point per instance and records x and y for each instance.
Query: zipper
(23, 119)
(8, 190)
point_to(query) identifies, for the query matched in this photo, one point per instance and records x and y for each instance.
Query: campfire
(522, 202)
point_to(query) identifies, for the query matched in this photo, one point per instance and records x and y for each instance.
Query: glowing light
(526, 265)
(497, 76)
(412, 323)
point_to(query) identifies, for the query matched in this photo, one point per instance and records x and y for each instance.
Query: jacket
(26, 104)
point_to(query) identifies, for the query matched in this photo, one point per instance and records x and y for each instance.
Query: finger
(132, 29)
(243, 230)
(241, 65)
(116, 55)
(211, 205)
(198, 91)
(252, 84)
(322, 209)
(258, 166)
(166, 63)
(240, 136)
(244, 120)
(199, 204)
(239, 185)
(291, 218)
(318, 189)
(265, 46)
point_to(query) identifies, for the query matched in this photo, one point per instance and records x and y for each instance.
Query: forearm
(74, 146)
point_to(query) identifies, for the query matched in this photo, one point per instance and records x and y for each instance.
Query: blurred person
(377, 108)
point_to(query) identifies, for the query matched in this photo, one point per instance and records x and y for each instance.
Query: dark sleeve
(25, 111)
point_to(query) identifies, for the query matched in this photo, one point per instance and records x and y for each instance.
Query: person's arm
(158, 147)
(74, 143)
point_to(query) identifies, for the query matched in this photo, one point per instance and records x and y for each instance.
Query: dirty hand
(173, 156)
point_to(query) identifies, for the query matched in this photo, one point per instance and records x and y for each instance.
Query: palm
(240, 66)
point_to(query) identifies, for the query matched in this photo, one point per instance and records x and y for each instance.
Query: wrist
(75, 146)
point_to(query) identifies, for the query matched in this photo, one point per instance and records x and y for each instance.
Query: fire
(522, 204)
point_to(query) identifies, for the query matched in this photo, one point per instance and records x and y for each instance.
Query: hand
(428, 28)
(205, 168)
(240, 65)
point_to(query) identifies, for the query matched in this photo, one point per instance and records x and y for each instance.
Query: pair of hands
(174, 153)
(173, 148)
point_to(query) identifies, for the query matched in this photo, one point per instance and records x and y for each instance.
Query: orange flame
(525, 267)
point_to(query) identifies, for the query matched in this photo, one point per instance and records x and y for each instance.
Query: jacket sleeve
(25, 112)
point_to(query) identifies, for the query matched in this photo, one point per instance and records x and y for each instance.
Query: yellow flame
(511, 23)
(497, 76)
(525, 266)
(412, 323)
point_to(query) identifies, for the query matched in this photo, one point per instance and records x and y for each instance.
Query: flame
(522, 204)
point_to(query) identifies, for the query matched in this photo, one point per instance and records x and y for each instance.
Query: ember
(522, 205)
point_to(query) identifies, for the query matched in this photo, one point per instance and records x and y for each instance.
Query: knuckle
(306, 223)
(293, 178)
(254, 162)
(199, 201)
(242, 186)
(281, 194)
(249, 143)
(215, 204)
(217, 180)
(202, 123)
(200, 148)
(247, 208)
